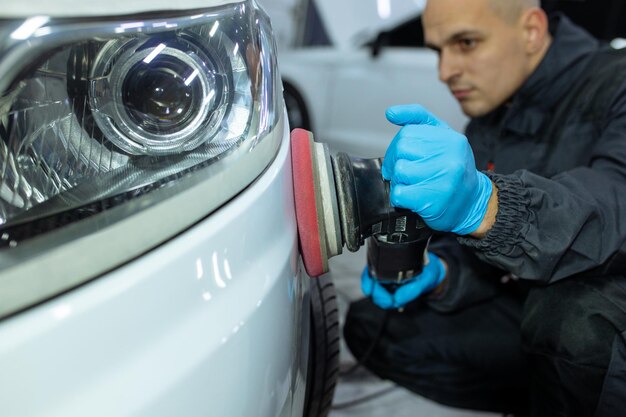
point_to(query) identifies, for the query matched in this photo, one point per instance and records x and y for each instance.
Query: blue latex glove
(433, 273)
(432, 172)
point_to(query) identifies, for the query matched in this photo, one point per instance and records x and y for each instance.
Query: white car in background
(353, 59)
(149, 259)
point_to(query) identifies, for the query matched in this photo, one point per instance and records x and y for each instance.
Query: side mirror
(382, 40)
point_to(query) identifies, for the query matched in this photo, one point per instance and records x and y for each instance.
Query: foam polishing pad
(307, 202)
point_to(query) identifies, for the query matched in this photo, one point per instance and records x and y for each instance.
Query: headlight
(97, 114)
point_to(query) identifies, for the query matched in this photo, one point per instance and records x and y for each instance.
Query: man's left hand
(431, 276)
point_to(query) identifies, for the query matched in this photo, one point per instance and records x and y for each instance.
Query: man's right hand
(431, 276)
(432, 172)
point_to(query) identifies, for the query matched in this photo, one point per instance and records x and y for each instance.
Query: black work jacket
(558, 152)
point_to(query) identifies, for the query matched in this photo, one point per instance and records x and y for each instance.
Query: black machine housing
(396, 238)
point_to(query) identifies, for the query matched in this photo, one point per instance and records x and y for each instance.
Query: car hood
(353, 22)
(75, 8)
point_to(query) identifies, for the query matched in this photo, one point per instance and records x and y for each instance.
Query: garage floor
(388, 399)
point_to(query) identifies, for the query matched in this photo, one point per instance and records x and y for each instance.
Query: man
(522, 305)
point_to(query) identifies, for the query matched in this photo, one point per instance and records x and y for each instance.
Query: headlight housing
(95, 114)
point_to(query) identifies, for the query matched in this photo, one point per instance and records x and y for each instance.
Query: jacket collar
(563, 64)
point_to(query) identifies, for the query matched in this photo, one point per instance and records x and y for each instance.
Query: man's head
(487, 48)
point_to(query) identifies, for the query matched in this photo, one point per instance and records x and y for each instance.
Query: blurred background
(343, 62)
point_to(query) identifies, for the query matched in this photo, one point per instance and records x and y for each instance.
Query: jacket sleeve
(469, 280)
(548, 229)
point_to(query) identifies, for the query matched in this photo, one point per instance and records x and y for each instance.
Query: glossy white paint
(72, 8)
(208, 324)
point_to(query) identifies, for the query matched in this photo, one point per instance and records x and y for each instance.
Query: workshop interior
(190, 195)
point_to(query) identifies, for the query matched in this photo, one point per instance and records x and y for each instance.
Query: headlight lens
(164, 95)
(96, 114)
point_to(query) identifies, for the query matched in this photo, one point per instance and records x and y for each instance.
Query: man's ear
(535, 25)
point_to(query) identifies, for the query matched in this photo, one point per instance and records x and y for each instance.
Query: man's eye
(467, 44)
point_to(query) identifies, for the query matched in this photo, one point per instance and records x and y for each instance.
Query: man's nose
(449, 66)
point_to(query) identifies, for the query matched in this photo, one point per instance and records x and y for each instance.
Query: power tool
(342, 200)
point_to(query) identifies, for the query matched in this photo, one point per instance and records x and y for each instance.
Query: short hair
(511, 10)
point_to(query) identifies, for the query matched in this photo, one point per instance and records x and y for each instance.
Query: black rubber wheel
(296, 108)
(323, 367)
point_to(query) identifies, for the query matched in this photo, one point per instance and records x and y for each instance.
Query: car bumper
(213, 322)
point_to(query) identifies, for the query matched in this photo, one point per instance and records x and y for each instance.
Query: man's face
(482, 56)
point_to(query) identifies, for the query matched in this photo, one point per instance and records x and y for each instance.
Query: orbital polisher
(342, 200)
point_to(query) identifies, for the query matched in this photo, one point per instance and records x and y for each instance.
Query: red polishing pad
(305, 199)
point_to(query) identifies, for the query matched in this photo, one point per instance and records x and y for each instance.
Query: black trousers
(557, 350)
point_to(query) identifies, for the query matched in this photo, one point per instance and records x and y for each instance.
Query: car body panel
(210, 323)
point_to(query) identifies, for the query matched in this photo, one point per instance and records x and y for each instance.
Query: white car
(149, 259)
(353, 59)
